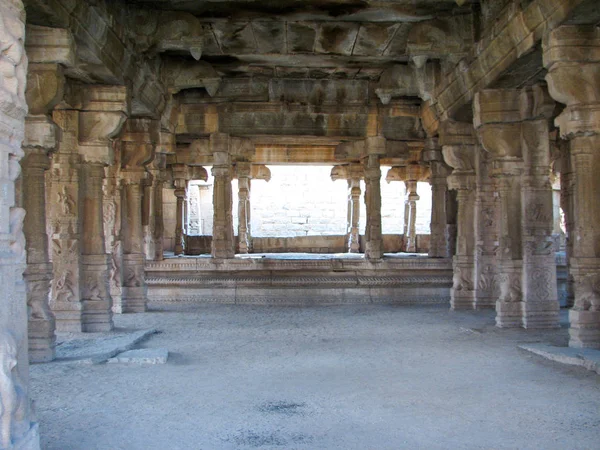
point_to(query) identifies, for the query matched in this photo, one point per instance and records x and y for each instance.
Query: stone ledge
(584, 357)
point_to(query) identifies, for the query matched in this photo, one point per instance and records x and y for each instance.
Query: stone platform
(300, 280)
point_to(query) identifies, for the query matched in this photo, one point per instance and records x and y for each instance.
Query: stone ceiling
(314, 39)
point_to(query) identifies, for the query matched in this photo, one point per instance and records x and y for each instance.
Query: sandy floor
(354, 377)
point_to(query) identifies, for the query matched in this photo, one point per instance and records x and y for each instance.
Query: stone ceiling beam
(519, 32)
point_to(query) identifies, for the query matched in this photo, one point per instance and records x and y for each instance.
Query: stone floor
(353, 377)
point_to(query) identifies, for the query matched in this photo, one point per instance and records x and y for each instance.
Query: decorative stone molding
(572, 57)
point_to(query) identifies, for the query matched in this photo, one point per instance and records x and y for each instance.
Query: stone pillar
(153, 214)
(45, 90)
(139, 141)
(486, 224)
(374, 148)
(222, 241)
(540, 290)
(112, 228)
(244, 172)
(17, 430)
(513, 127)
(410, 235)
(180, 182)
(438, 243)
(352, 173)
(97, 129)
(64, 215)
(572, 57)
(354, 193)
(458, 148)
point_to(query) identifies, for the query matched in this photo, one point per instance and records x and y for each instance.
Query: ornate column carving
(64, 213)
(352, 173)
(222, 242)
(17, 430)
(438, 242)
(486, 224)
(374, 148)
(112, 227)
(572, 57)
(513, 127)
(99, 123)
(45, 90)
(458, 148)
(138, 146)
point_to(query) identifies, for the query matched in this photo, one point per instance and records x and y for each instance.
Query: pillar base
(541, 315)
(374, 249)
(134, 300)
(42, 340)
(461, 300)
(68, 316)
(483, 303)
(96, 313)
(509, 314)
(585, 329)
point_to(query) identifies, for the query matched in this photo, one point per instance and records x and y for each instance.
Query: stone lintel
(50, 45)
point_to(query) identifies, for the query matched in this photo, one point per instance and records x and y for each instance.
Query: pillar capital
(45, 87)
(40, 132)
(139, 138)
(572, 57)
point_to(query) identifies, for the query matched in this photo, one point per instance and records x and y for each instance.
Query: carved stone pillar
(243, 172)
(459, 150)
(222, 242)
(64, 215)
(572, 57)
(17, 430)
(352, 173)
(180, 181)
(97, 129)
(45, 90)
(374, 148)
(410, 235)
(354, 193)
(153, 211)
(139, 141)
(438, 244)
(486, 223)
(513, 127)
(112, 228)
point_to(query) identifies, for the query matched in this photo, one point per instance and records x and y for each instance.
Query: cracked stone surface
(588, 358)
(351, 377)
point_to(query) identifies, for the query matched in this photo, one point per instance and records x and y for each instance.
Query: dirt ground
(350, 377)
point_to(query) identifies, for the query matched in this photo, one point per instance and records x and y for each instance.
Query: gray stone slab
(585, 357)
(98, 350)
(142, 356)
